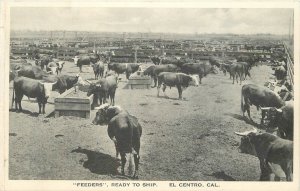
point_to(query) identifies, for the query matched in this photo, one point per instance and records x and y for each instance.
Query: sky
(161, 20)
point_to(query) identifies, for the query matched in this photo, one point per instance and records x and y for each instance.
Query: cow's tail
(13, 96)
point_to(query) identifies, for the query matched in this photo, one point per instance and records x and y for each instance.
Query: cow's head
(194, 80)
(60, 65)
(47, 88)
(92, 88)
(274, 115)
(106, 113)
(246, 145)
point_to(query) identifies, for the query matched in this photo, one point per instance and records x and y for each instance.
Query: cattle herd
(275, 152)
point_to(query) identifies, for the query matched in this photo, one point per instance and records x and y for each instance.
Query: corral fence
(290, 66)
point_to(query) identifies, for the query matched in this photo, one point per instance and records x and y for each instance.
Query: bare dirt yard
(189, 139)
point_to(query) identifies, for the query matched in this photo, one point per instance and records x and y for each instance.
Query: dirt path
(190, 139)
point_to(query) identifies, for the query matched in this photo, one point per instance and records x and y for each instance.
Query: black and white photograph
(129, 93)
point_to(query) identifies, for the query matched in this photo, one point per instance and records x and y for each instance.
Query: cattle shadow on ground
(99, 163)
(32, 114)
(167, 98)
(241, 118)
(221, 175)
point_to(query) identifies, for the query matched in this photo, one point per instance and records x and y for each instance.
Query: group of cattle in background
(274, 152)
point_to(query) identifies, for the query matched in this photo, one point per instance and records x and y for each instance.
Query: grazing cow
(201, 69)
(98, 69)
(128, 68)
(260, 97)
(86, 60)
(282, 118)
(280, 73)
(155, 70)
(103, 89)
(31, 88)
(274, 153)
(180, 80)
(124, 130)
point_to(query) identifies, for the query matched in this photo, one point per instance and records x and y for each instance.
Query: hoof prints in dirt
(99, 163)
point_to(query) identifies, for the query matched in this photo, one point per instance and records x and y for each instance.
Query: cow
(86, 60)
(274, 153)
(128, 68)
(180, 80)
(155, 70)
(31, 88)
(51, 68)
(280, 73)
(44, 61)
(201, 69)
(33, 72)
(60, 65)
(103, 89)
(18, 64)
(283, 118)
(64, 82)
(167, 60)
(98, 69)
(260, 97)
(124, 130)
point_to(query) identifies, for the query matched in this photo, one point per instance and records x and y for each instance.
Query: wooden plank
(72, 106)
(72, 100)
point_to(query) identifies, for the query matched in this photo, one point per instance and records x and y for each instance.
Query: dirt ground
(189, 139)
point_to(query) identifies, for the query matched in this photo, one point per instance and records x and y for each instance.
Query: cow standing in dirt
(274, 153)
(127, 68)
(98, 69)
(124, 130)
(179, 80)
(260, 97)
(33, 89)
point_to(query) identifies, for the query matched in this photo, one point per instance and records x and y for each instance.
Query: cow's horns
(246, 132)
(265, 108)
(279, 110)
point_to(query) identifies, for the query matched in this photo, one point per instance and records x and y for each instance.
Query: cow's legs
(123, 160)
(179, 91)
(265, 172)
(200, 78)
(40, 106)
(158, 88)
(155, 82)
(164, 90)
(136, 164)
(44, 104)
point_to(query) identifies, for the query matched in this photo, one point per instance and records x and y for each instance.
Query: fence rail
(290, 66)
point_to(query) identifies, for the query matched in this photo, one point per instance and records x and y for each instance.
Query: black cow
(64, 82)
(86, 60)
(260, 97)
(120, 68)
(103, 89)
(201, 69)
(283, 118)
(155, 70)
(98, 69)
(180, 80)
(31, 88)
(274, 153)
(124, 130)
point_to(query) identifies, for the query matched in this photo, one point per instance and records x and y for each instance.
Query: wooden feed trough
(72, 103)
(139, 81)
